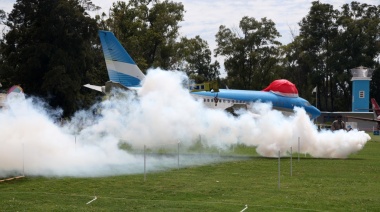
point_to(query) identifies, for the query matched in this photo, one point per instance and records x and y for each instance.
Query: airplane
(376, 114)
(124, 73)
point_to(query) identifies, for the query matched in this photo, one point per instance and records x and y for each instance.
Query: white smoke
(162, 113)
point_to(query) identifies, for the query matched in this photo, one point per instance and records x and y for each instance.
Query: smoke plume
(160, 114)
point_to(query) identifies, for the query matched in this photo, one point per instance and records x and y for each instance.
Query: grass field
(351, 184)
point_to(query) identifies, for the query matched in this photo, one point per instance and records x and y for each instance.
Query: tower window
(361, 94)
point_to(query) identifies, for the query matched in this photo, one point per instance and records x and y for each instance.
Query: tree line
(51, 49)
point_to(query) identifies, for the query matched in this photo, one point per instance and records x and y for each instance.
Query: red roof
(283, 87)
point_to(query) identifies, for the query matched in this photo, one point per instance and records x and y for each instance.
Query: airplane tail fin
(376, 108)
(120, 66)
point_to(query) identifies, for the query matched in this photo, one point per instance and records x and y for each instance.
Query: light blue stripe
(124, 79)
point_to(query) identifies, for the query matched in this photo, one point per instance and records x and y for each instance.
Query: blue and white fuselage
(123, 71)
(227, 98)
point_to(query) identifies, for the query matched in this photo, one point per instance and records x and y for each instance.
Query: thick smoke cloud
(160, 114)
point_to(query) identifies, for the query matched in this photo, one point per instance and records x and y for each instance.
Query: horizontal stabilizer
(107, 88)
(111, 85)
(361, 118)
(95, 87)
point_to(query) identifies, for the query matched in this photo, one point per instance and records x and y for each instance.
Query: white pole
(291, 164)
(178, 155)
(316, 97)
(23, 161)
(279, 169)
(299, 149)
(144, 164)
(200, 141)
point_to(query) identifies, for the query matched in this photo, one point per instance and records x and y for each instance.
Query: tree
(293, 67)
(2, 19)
(375, 85)
(48, 50)
(148, 30)
(318, 31)
(2, 15)
(252, 57)
(332, 42)
(358, 42)
(194, 58)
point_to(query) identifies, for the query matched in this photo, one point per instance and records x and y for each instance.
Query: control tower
(361, 76)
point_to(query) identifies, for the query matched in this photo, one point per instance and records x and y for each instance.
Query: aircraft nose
(314, 112)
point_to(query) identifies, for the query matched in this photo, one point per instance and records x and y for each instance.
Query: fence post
(279, 169)
(144, 163)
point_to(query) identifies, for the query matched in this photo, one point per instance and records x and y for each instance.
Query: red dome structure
(283, 87)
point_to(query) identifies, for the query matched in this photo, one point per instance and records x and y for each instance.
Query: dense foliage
(252, 58)
(48, 50)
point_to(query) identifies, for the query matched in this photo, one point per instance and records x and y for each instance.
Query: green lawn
(351, 184)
